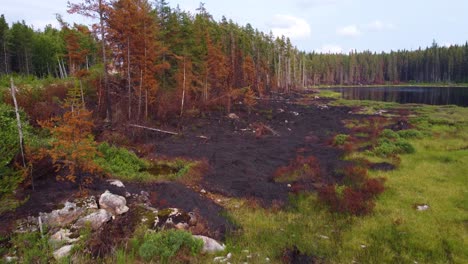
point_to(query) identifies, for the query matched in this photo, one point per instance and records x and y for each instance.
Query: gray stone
(63, 252)
(95, 220)
(210, 245)
(115, 204)
(63, 235)
(62, 217)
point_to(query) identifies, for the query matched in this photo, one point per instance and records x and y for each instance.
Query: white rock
(9, 259)
(116, 183)
(95, 220)
(423, 207)
(267, 259)
(233, 116)
(63, 252)
(218, 259)
(229, 255)
(210, 245)
(116, 204)
(203, 191)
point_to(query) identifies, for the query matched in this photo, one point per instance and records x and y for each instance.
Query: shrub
(410, 133)
(390, 134)
(356, 196)
(166, 244)
(387, 148)
(302, 168)
(340, 139)
(120, 162)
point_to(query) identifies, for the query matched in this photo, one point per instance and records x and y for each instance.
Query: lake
(405, 95)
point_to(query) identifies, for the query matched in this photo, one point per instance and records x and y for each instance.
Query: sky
(335, 26)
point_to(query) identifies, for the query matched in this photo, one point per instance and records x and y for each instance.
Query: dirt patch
(243, 164)
(382, 166)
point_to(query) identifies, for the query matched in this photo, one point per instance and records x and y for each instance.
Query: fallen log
(154, 129)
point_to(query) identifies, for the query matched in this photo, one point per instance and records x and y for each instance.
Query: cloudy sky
(312, 25)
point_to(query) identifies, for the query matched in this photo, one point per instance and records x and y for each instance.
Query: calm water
(405, 95)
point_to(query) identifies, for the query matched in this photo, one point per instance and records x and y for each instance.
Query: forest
(173, 57)
(158, 135)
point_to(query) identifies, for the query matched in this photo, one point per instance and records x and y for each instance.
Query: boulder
(115, 204)
(62, 217)
(63, 252)
(95, 220)
(210, 245)
(116, 183)
(63, 235)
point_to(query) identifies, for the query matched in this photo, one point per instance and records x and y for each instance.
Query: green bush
(120, 162)
(390, 134)
(387, 148)
(340, 139)
(166, 244)
(410, 133)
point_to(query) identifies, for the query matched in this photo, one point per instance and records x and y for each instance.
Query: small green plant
(166, 244)
(340, 139)
(32, 247)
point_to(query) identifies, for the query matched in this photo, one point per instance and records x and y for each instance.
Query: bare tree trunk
(20, 128)
(82, 94)
(140, 94)
(5, 57)
(183, 94)
(60, 69)
(104, 61)
(146, 104)
(129, 81)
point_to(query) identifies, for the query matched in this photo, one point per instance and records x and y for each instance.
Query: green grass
(396, 232)
(125, 165)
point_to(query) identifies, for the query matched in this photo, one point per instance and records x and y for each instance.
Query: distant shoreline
(421, 85)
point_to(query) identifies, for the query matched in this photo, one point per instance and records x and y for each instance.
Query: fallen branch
(271, 130)
(154, 129)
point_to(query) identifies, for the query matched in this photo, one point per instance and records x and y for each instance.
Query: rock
(193, 219)
(62, 217)
(210, 245)
(295, 113)
(128, 195)
(422, 207)
(63, 252)
(9, 259)
(63, 235)
(203, 191)
(116, 183)
(95, 220)
(233, 116)
(115, 204)
(229, 255)
(87, 203)
(173, 218)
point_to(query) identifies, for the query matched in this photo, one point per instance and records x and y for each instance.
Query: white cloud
(330, 48)
(349, 31)
(290, 26)
(313, 3)
(378, 25)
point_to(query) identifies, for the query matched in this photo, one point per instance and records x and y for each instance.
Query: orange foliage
(249, 100)
(73, 148)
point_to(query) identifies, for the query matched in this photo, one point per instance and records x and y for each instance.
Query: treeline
(168, 60)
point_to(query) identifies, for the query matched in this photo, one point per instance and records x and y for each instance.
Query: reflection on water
(405, 95)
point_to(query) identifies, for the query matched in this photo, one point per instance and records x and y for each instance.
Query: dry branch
(154, 129)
